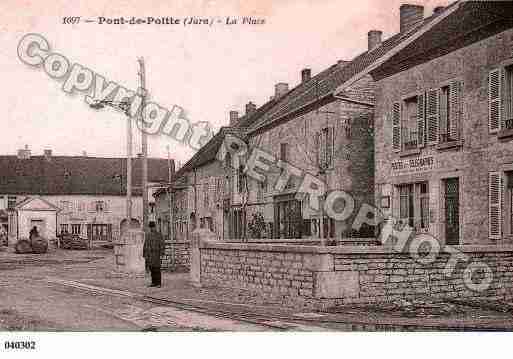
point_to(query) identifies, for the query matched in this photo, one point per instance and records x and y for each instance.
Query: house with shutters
(324, 127)
(87, 193)
(444, 126)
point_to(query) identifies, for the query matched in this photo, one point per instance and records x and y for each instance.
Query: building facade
(89, 192)
(444, 138)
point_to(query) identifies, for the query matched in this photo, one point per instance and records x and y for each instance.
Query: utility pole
(170, 194)
(144, 143)
(129, 171)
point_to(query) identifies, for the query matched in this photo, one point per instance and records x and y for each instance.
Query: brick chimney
(410, 15)
(306, 75)
(342, 63)
(280, 89)
(250, 108)
(48, 154)
(24, 154)
(437, 10)
(234, 118)
(374, 39)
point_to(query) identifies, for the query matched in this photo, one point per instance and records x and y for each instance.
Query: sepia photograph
(226, 176)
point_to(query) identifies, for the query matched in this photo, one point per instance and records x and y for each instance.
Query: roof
(468, 23)
(326, 83)
(27, 200)
(70, 175)
(208, 152)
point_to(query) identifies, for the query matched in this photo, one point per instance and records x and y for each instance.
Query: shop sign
(413, 165)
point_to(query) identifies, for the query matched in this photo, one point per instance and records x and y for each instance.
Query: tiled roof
(326, 82)
(208, 152)
(63, 175)
(471, 22)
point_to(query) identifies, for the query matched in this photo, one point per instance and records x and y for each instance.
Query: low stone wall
(176, 255)
(325, 276)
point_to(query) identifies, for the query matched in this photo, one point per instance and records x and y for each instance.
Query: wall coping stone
(290, 248)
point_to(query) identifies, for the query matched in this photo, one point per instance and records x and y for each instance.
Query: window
(509, 200)
(241, 183)
(325, 147)
(75, 229)
(261, 189)
(66, 206)
(205, 195)
(414, 205)
(80, 207)
(450, 111)
(508, 98)
(283, 152)
(288, 218)
(11, 202)
(219, 189)
(409, 124)
(100, 206)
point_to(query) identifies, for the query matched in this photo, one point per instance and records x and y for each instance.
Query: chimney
(234, 118)
(437, 10)
(306, 75)
(48, 154)
(410, 15)
(24, 154)
(250, 108)
(342, 63)
(84, 154)
(374, 39)
(280, 89)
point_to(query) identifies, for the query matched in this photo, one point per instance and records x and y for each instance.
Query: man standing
(152, 251)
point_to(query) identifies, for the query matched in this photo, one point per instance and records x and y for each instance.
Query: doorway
(452, 211)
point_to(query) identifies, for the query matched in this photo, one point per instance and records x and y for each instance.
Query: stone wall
(319, 277)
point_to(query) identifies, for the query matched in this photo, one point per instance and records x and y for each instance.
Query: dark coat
(153, 249)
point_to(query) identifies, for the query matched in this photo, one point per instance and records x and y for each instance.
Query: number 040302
(21, 345)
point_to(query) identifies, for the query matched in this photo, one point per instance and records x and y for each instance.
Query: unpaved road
(29, 301)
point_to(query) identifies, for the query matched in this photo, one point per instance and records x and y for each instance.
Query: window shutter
(432, 109)
(455, 105)
(396, 126)
(330, 146)
(421, 120)
(317, 144)
(494, 101)
(495, 205)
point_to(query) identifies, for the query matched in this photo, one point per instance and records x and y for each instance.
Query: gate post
(198, 236)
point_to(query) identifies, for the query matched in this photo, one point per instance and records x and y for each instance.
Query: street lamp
(123, 106)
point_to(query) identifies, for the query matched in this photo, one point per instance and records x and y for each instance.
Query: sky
(208, 71)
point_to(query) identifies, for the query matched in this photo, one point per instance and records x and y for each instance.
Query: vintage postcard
(298, 166)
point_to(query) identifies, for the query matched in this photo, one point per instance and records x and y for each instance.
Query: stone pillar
(199, 235)
(128, 253)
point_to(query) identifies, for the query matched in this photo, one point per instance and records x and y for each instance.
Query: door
(452, 215)
(40, 225)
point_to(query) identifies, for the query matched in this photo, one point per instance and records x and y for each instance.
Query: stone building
(325, 127)
(90, 192)
(444, 125)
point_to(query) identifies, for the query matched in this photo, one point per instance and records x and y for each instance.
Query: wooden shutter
(329, 146)
(317, 146)
(494, 101)
(396, 126)
(432, 114)
(455, 107)
(421, 120)
(495, 205)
